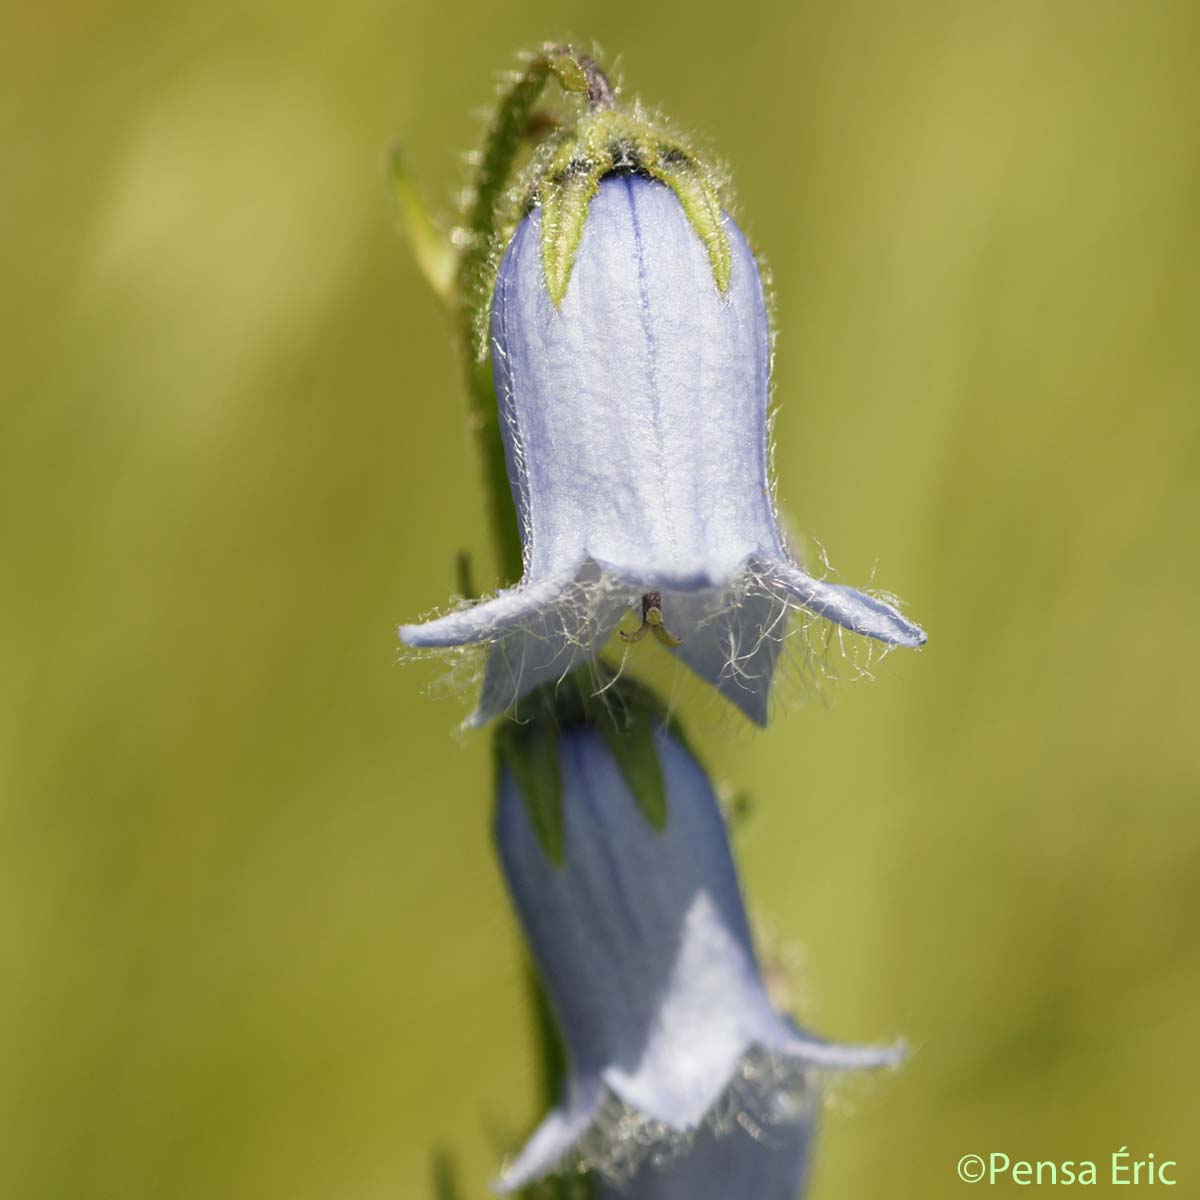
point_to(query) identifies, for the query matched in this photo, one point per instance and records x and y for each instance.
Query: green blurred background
(252, 940)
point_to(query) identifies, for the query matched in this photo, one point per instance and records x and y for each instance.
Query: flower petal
(554, 642)
(834, 1056)
(732, 641)
(539, 632)
(845, 606)
(553, 1140)
(511, 609)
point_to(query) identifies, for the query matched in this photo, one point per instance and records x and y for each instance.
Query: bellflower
(643, 946)
(634, 417)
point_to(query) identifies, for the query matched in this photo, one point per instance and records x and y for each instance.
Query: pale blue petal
(538, 633)
(833, 1056)
(553, 1140)
(855, 610)
(731, 640)
(545, 648)
(511, 609)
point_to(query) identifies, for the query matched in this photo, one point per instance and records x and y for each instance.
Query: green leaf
(431, 248)
(445, 1176)
(465, 576)
(531, 753)
(634, 748)
(561, 1187)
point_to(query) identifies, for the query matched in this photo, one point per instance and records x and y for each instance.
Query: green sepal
(684, 177)
(637, 756)
(610, 141)
(530, 752)
(565, 198)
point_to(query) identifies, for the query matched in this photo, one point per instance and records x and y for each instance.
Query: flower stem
(599, 90)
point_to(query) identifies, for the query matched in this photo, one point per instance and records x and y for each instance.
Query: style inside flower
(634, 416)
(643, 946)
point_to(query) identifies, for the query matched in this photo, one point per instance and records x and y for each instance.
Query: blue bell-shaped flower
(634, 415)
(642, 943)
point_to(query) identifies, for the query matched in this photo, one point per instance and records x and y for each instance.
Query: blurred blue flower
(634, 418)
(750, 1160)
(644, 949)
